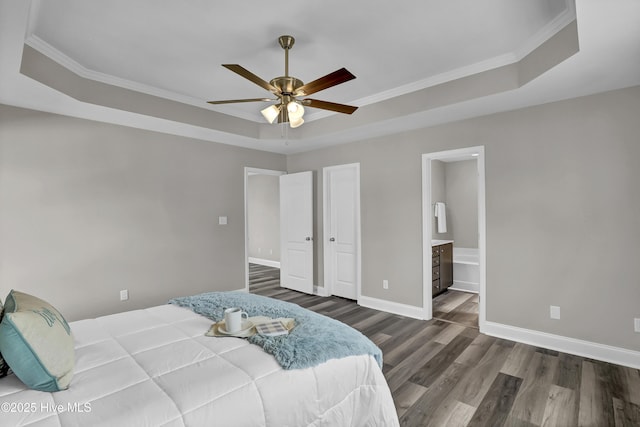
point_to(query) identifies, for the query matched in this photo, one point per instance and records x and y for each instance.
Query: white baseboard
(603, 352)
(261, 261)
(469, 291)
(460, 285)
(392, 307)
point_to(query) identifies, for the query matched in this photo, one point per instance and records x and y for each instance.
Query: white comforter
(155, 367)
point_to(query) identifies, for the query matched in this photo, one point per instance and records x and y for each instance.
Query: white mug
(233, 319)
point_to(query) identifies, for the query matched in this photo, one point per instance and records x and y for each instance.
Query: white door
(342, 230)
(296, 231)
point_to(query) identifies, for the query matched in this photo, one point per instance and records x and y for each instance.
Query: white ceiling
(174, 49)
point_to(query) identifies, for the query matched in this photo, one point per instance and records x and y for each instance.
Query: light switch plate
(222, 220)
(554, 312)
(636, 325)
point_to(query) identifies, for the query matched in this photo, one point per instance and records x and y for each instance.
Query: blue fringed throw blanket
(315, 338)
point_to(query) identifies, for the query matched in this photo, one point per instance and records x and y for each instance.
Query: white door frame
(427, 233)
(247, 172)
(326, 219)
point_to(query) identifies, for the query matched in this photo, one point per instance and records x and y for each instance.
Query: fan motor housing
(286, 85)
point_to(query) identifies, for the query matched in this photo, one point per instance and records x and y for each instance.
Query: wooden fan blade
(325, 105)
(332, 79)
(250, 76)
(233, 101)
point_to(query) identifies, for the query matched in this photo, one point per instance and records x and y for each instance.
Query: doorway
(261, 222)
(341, 227)
(429, 233)
(296, 232)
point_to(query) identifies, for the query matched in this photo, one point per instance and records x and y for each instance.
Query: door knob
(332, 239)
(308, 239)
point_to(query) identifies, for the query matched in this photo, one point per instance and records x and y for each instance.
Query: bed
(156, 367)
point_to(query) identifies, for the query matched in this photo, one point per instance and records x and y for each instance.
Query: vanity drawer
(435, 287)
(435, 251)
(435, 273)
(435, 261)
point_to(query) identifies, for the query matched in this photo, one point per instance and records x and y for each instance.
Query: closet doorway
(341, 227)
(449, 300)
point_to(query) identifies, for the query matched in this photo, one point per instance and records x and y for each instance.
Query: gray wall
(88, 209)
(439, 194)
(562, 213)
(263, 206)
(461, 182)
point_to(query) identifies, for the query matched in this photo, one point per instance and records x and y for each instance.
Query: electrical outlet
(385, 284)
(124, 295)
(554, 312)
(636, 325)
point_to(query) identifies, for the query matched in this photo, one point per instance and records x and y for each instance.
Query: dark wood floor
(457, 307)
(443, 372)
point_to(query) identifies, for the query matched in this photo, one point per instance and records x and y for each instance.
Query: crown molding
(72, 65)
(548, 31)
(532, 43)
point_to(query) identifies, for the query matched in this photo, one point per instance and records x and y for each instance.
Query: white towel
(441, 214)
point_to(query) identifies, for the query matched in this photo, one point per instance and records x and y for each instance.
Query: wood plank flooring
(443, 372)
(457, 307)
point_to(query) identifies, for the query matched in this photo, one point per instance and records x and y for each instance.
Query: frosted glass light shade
(294, 123)
(296, 111)
(271, 113)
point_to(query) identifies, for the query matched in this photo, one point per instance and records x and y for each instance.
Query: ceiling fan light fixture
(296, 111)
(287, 88)
(271, 113)
(294, 123)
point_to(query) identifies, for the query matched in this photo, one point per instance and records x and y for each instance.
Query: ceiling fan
(289, 108)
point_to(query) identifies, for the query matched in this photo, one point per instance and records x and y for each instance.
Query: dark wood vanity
(441, 267)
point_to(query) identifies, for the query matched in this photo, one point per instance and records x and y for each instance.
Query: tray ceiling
(417, 63)
(174, 49)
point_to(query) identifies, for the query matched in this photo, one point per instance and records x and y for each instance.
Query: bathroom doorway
(465, 213)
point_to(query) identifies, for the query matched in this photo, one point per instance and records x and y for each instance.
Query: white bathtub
(466, 270)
